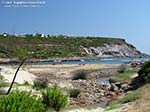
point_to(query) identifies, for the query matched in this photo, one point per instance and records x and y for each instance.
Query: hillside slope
(65, 46)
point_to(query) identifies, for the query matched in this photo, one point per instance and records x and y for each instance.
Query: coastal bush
(122, 69)
(53, 98)
(40, 83)
(81, 74)
(21, 101)
(74, 93)
(144, 72)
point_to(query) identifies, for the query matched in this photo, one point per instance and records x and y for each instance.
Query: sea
(95, 61)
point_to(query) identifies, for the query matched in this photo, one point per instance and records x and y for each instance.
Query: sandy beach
(67, 68)
(22, 76)
(29, 72)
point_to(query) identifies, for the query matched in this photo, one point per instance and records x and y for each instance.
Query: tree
(15, 76)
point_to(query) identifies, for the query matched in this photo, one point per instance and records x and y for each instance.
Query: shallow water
(103, 80)
(95, 61)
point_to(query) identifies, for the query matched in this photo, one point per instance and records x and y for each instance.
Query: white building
(5, 34)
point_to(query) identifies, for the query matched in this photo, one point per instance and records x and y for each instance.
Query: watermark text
(22, 3)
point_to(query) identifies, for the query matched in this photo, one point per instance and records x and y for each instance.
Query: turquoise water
(97, 61)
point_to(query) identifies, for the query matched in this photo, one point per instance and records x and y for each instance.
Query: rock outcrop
(114, 50)
(93, 92)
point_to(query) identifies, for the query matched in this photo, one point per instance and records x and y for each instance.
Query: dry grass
(142, 104)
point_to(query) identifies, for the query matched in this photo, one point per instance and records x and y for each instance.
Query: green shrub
(122, 69)
(147, 78)
(1, 77)
(20, 102)
(49, 110)
(81, 74)
(74, 93)
(40, 83)
(26, 83)
(123, 77)
(2, 84)
(144, 72)
(54, 98)
(3, 55)
(129, 98)
(113, 105)
(2, 91)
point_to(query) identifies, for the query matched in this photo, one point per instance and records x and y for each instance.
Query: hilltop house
(5, 34)
(38, 35)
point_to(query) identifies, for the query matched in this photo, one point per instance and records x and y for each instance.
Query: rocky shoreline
(92, 92)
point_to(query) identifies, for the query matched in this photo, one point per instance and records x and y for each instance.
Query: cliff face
(114, 50)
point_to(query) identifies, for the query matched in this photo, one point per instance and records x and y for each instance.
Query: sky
(128, 19)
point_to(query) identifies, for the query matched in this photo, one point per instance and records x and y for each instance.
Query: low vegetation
(2, 91)
(129, 97)
(74, 93)
(26, 83)
(40, 83)
(2, 85)
(53, 98)
(80, 74)
(122, 68)
(21, 102)
(113, 105)
(124, 77)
